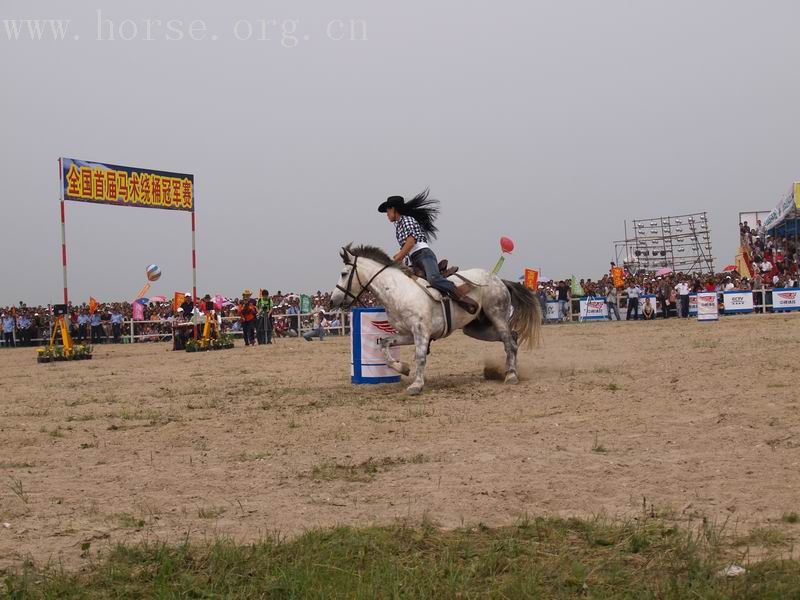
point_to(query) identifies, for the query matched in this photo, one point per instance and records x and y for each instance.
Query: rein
(364, 288)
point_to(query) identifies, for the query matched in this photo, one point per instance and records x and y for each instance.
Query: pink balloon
(506, 245)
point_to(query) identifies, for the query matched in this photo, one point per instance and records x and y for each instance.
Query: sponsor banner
(368, 365)
(707, 307)
(778, 214)
(797, 194)
(785, 299)
(116, 185)
(738, 301)
(593, 309)
(552, 311)
(692, 304)
(531, 279)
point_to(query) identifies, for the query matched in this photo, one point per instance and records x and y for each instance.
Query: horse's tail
(526, 321)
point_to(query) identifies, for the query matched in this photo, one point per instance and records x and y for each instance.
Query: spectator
(264, 326)
(564, 296)
(683, 292)
(8, 330)
(648, 312)
(612, 301)
(116, 324)
(83, 325)
(318, 329)
(542, 296)
(247, 315)
(97, 328)
(633, 292)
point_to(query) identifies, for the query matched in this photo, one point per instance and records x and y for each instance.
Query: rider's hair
(424, 210)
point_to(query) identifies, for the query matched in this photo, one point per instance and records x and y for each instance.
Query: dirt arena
(690, 420)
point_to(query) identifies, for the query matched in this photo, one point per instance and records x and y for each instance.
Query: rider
(414, 224)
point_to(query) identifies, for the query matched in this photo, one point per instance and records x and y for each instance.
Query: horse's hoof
(414, 390)
(405, 369)
(512, 379)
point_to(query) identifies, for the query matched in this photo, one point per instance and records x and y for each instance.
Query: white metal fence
(162, 331)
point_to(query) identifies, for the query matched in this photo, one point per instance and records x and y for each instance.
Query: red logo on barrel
(384, 326)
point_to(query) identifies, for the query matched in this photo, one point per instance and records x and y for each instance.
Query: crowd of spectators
(771, 262)
(25, 325)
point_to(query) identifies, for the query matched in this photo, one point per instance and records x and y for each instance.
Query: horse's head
(349, 286)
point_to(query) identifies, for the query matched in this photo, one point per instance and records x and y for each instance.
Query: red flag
(92, 305)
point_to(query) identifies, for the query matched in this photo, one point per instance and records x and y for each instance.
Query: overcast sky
(550, 122)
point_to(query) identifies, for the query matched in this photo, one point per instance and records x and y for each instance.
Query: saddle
(443, 269)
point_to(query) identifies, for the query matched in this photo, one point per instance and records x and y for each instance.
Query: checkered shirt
(407, 226)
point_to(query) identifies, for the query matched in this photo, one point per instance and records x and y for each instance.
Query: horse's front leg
(421, 339)
(396, 340)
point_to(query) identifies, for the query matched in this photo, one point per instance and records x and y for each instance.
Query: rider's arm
(407, 246)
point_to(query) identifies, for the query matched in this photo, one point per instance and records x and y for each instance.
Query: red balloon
(506, 245)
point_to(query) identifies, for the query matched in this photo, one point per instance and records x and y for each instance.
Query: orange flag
(92, 305)
(531, 279)
(177, 301)
(617, 274)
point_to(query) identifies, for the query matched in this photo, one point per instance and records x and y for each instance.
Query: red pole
(194, 260)
(194, 270)
(63, 231)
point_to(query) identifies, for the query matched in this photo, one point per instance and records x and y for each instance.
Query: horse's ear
(346, 254)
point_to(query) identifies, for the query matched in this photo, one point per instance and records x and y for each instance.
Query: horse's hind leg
(503, 331)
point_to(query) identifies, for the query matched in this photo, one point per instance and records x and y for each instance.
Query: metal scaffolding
(681, 243)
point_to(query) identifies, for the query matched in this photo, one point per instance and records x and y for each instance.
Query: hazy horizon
(550, 123)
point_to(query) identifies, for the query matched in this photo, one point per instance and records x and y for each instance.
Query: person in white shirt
(683, 293)
(633, 291)
(729, 284)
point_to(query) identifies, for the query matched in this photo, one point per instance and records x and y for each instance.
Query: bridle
(364, 288)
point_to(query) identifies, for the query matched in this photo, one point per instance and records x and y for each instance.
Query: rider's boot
(464, 301)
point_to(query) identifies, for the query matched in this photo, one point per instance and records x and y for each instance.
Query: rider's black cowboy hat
(396, 202)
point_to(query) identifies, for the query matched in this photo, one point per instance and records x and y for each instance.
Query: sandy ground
(693, 420)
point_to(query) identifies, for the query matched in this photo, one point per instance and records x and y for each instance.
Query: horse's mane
(372, 253)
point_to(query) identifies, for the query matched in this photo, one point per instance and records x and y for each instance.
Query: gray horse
(509, 312)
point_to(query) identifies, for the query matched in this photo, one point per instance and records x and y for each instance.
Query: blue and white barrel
(367, 364)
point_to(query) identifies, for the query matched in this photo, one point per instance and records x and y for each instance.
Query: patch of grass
(210, 512)
(57, 433)
(766, 537)
(791, 517)
(703, 344)
(363, 472)
(128, 521)
(205, 404)
(16, 465)
(540, 558)
(72, 418)
(613, 387)
(597, 446)
(249, 457)
(15, 485)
